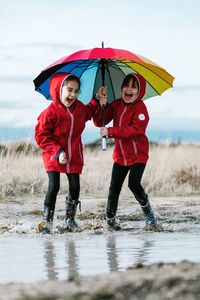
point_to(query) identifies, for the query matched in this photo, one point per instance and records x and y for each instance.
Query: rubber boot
(47, 225)
(48, 213)
(111, 223)
(147, 210)
(71, 208)
(110, 220)
(151, 222)
(149, 214)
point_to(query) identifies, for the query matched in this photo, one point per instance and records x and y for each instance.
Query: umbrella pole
(104, 144)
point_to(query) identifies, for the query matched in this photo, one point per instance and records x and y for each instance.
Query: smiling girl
(58, 134)
(130, 119)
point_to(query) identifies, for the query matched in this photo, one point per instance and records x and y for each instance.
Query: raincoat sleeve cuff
(58, 153)
(96, 98)
(110, 132)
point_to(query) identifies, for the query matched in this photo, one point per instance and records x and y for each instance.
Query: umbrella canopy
(106, 66)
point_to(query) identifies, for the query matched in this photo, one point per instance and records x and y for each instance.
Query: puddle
(54, 257)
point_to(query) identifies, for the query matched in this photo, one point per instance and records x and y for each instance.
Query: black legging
(54, 186)
(119, 174)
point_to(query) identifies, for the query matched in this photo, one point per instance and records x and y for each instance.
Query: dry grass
(171, 170)
(166, 167)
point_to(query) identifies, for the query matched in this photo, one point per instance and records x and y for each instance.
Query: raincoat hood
(141, 86)
(56, 84)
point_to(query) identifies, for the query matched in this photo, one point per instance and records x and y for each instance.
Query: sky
(36, 33)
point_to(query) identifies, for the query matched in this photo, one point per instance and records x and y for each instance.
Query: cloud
(41, 45)
(18, 78)
(187, 88)
(14, 104)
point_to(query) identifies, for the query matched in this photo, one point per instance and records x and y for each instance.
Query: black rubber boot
(150, 222)
(48, 213)
(111, 223)
(110, 218)
(71, 208)
(149, 214)
(147, 210)
(47, 225)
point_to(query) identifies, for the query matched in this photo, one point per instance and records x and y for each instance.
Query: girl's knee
(54, 187)
(134, 187)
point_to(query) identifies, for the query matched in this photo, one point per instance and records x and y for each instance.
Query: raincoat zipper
(80, 151)
(135, 147)
(120, 142)
(69, 142)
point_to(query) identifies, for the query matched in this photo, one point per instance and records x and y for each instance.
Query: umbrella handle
(104, 144)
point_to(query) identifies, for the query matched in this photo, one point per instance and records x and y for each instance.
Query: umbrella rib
(116, 67)
(110, 79)
(77, 66)
(88, 67)
(95, 78)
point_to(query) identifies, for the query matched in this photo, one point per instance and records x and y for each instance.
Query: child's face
(130, 92)
(69, 93)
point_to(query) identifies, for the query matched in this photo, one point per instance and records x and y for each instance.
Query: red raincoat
(61, 128)
(129, 126)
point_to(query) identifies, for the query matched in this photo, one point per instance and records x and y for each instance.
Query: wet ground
(35, 264)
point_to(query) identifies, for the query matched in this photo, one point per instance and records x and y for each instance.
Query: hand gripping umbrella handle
(104, 144)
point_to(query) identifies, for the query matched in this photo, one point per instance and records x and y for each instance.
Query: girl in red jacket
(130, 119)
(58, 134)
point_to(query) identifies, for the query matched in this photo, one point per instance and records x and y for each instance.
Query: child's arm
(43, 133)
(91, 109)
(138, 125)
(98, 117)
(96, 103)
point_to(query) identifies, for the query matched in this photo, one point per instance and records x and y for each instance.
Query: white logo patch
(141, 117)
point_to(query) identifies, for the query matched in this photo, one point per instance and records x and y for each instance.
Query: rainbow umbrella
(106, 66)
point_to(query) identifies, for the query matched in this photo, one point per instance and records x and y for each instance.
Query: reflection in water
(142, 254)
(114, 249)
(49, 257)
(140, 251)
(89, 254)
(72, 260)
(112, 254)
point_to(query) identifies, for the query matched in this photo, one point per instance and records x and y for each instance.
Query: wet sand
(156, 281)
